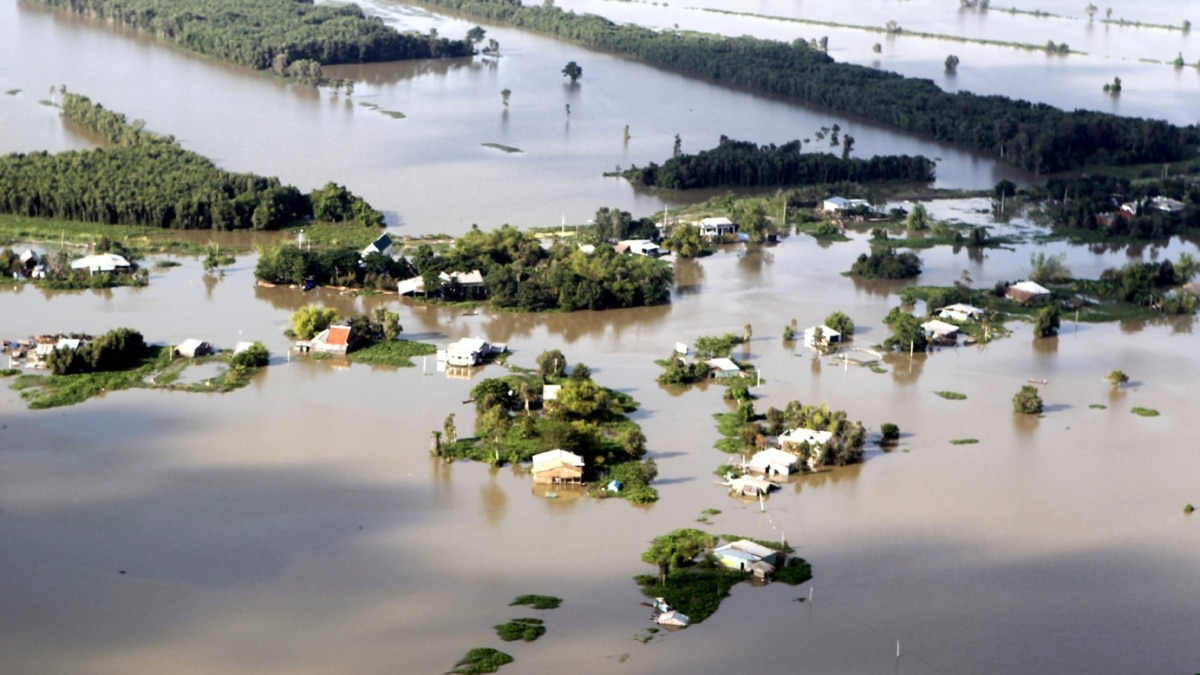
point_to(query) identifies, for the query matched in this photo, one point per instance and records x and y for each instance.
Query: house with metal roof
(333, 340)
(750, 486)
(192, 348)
(716, 227)
(466, 352)
(1025, 292)
(828, 337)
(960, 312)
(557, 466)
(810, 436)
(382, 245)
(772, 461)
(100, 262)
(723, 367)
(940, 330)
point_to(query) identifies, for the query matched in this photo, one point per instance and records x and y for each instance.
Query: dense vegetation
(743, 430)
(266, 34)
(745, 164)
(284, 263)
(520, 274)
(1032, 136)
(513, 424)
(1092, 204)
(146, 179)
(119, 349)
(885, 263)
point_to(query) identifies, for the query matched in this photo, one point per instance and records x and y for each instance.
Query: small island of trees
(147, 179)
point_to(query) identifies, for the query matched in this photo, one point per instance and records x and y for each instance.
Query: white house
(772, 461)
(829, 336)
(940, 330)
(723, 367)
(639, 247)
(839, 204)
(960, 312)
(467, 352)
(382, 246)
(810, 436)
(100, 262)
(716, 227)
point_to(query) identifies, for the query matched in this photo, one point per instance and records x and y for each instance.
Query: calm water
(299, 525)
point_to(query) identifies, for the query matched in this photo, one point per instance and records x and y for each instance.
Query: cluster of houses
(756, 473)
(471, 283)
(34, 350)
(31, 265)
(1127, 210)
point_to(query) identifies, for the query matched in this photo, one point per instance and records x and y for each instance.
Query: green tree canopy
(310, 320)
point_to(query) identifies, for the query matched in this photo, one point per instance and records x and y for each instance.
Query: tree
(675, 550)
(1048, 269)
(951, 64)
(493, 47)
(1046, 321)
(1027, 401)
(1186, 267)
(677, 150)
(917, 219)
(907, 333)
(254, 356)
(476, 34)
(841, 323)
(504, 94)
(449, 429)
(310, 320)
(877, 48)
(582, 400)
(1117, 378)
(685, 241)
(552, 363)
(1091, 11)
(573, 71)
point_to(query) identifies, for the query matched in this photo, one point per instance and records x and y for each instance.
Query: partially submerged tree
(676, 549)
(1117, 378)
(1046, 322)
(310, 320)
(1027, 401)
(573, 71)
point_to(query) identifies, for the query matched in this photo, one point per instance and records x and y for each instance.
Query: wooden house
(557, 466)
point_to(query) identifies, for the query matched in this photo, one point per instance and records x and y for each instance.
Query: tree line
(1033, 136)
(271, 34)
(147, 179)
(744, 164)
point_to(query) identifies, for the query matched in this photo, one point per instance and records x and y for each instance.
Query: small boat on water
(665, 615)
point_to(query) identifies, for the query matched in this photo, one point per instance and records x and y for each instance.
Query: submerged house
(192, 348)
(100, 262)
(747, 556)
(940, 330)
(468, 352)
(772, 461)
(828, 336)
(751, 486)
(810, 436)
(333, 340)
(557, 466)
(724, 367)
(1026, 292)
(841, 204)
(960, 312)
(716, 227)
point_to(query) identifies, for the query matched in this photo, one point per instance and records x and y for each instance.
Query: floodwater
(300, 526)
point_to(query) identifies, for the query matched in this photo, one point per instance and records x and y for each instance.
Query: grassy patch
(1144, 412)
(163, 264)
(157, 370)
(521, 629)
(964, 441)
(711, 512)
(10, 372)
(503, 148)
(13, 92)
(1098, 406)
(395, 353)
(951, 395)
(537, 601)
(481, 660)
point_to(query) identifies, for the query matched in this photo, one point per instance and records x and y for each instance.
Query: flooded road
(299, 525)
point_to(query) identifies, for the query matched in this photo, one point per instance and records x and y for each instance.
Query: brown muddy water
(299, 525)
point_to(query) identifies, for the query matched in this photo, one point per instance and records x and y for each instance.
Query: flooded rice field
(299, 525)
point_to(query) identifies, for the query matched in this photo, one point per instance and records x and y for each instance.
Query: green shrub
(951, 395)
(526, 629)
(1144, 412)
(796, 571)
(537, 601)
(890, 431)
(1027, 401)
(481, 660)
